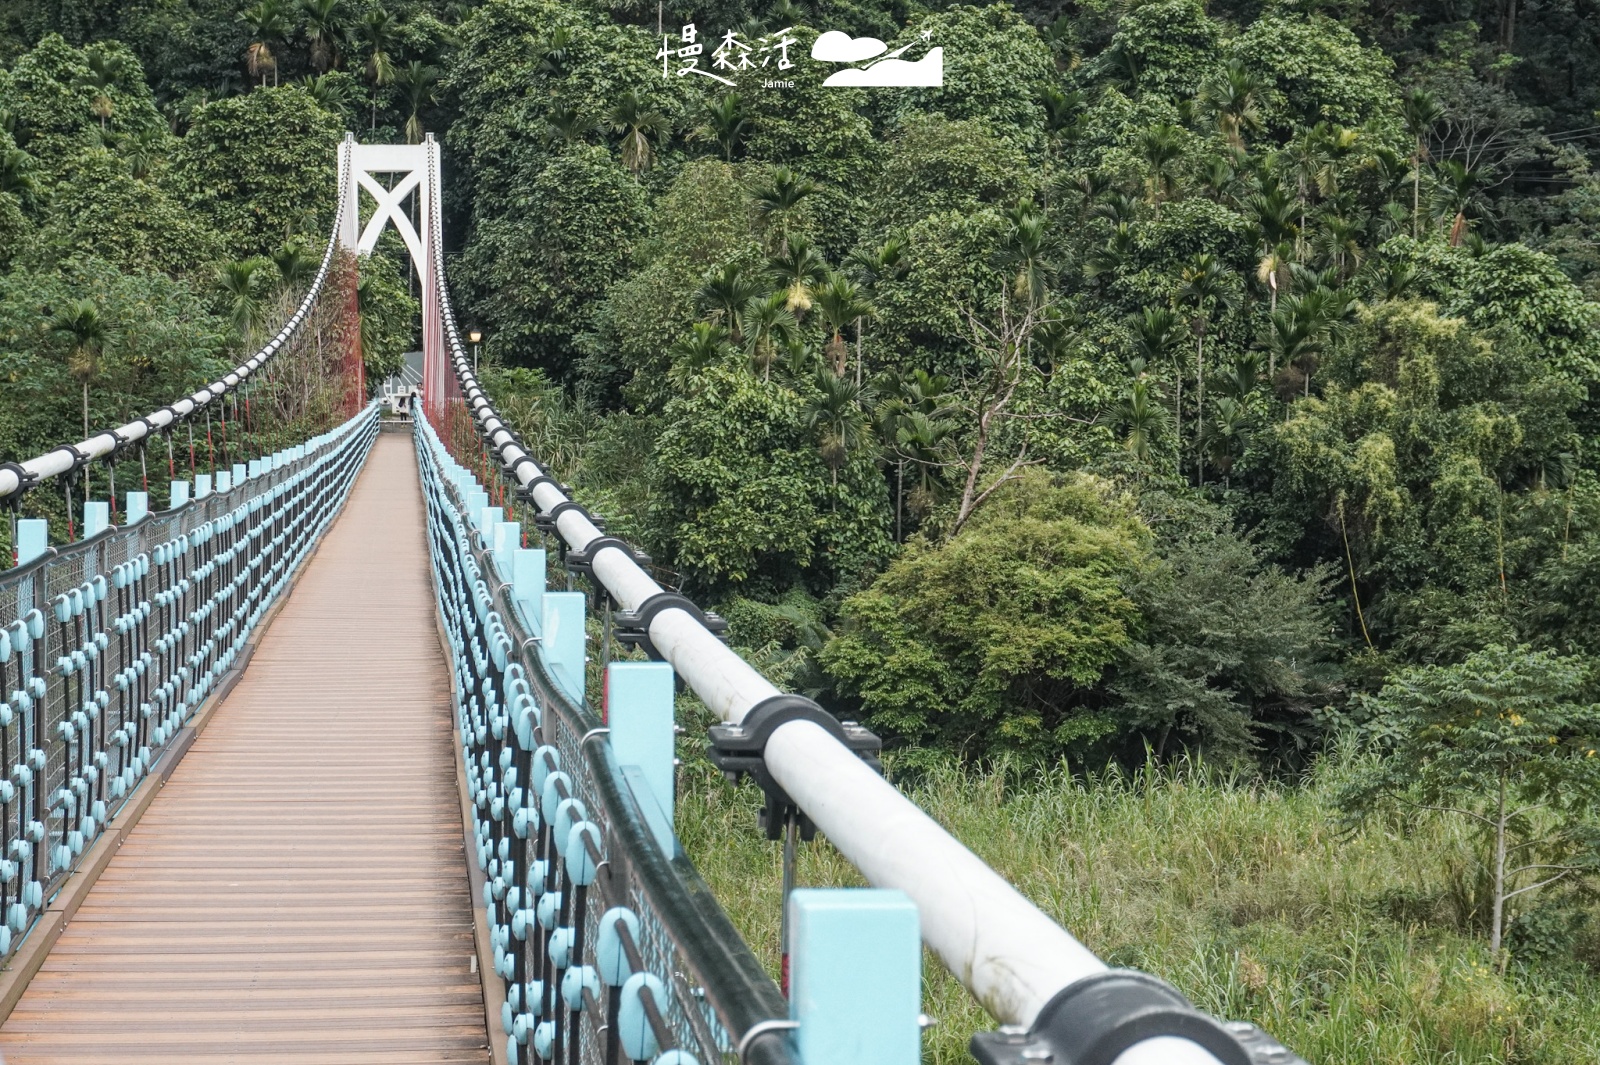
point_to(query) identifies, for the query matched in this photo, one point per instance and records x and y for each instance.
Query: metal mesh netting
(705, 994)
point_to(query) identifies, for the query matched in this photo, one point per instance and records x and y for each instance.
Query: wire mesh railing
(108, 647)
(611, 945)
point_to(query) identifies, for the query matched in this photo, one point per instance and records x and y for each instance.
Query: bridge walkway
(297, 892)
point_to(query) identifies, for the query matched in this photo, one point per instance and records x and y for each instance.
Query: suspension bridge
(316, 763)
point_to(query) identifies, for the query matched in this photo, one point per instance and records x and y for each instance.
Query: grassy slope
(1244, 896)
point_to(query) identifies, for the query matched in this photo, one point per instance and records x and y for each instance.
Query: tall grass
(1353, 949)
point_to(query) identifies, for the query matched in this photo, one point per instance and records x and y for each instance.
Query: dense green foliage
(1176, 379)
(140, 256)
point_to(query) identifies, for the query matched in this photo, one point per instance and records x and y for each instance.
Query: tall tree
(727, 123)
(837, 413)
(841, 303)
(269, 25)
(1506, 742)
(86, 332)
(1205, 286)
(416, 81)
(1234, 98)
(639, 124)
(247, 311)
(376, 36)
(325, 29)
(777, 198)
(1422, 112)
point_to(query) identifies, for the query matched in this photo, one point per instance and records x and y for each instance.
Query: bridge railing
(1053, 998)
(108, 646)
(610, 945)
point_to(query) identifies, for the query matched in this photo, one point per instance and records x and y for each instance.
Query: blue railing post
(564, 640)
(855, 986)
(96, 516)
(527, 582)
(180, 494)
(504, 538)
(33, 536)
(639, 697)
(202, 485)
(138, 507)
(224, 481)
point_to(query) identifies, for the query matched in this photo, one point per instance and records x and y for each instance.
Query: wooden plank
(297, 891)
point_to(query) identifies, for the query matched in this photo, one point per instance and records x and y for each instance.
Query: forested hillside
(1199, 391)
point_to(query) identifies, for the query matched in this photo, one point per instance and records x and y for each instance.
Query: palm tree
(1220, 178)
(555, 55)
(102, 80)
(872, 266)
(1233, 96)
(330, 93)
(797, 270)
(1340, 244)
(376, 37)
(767, 322)
(706, 344)
(1274, 214)
(295, 266)
(1139, 417)
(16, 176)
(416, 81)
(1206, 284)
(269, 24)
(567, 125)
(923, 441)
(777, 199)
(1422, 111)
(1228, 434)
(726, 123)
(1157, 332)
(325, 27)
(1063, 115)
(1273, 271)
(837, 414)
(1160, 146)
(86, 331)
(840, 302)
(1295, 333)
(1023, 251)
(144, 151)
(917, 423)
(638, 122)
(1109, 258)
(1459, 189)
(246, 309)
(725, 293)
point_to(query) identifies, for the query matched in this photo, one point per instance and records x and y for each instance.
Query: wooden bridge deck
(297, 892)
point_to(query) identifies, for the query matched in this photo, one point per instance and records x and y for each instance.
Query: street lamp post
(475, 336)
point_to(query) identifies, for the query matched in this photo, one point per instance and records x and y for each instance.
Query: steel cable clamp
(582, 562)
(1094, 1020)
(632, 627)
(741, 750)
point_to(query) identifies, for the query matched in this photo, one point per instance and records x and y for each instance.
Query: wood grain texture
(297, 892)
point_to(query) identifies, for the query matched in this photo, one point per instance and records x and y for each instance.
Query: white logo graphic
(889, 72)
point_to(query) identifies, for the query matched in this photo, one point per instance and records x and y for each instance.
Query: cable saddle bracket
(740, 751)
